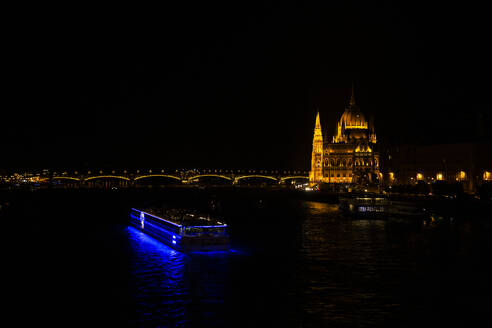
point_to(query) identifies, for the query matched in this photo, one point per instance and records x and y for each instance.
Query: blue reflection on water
(159, 287)
(176, 289)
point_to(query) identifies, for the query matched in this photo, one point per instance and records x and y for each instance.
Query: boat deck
(184, 217)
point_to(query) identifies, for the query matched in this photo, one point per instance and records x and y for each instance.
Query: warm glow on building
(439, 176)
(461, 175)
(316, 173)
(420, 176)
(351, 157)
(391, 176)
(487, 176)
(366, 149)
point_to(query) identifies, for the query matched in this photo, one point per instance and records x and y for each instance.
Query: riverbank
(215, 199)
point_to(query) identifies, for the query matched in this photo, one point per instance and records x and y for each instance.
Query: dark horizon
(235, 85)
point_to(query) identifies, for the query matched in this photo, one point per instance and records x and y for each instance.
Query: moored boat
(365, 207)
(375, 206)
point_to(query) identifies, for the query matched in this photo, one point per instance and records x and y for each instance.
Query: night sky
(233, 84)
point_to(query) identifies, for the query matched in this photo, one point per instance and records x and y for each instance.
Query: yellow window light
(487, 175)
(461, 175)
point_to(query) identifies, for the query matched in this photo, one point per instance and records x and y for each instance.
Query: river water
(293, 263)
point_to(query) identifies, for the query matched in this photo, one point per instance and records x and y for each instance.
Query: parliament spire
(352, 98)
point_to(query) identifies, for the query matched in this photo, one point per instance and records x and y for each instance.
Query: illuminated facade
(350, 157)
(466, 163)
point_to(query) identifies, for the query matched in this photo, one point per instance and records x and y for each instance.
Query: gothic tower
(316, 173)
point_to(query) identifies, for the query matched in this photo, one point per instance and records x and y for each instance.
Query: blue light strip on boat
(159, 225)
(209, 226)
(159, 230)
(178, 225)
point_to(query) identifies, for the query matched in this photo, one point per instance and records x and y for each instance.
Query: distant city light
(487, 176)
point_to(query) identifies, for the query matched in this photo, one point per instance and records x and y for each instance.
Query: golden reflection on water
(321, 208)
(332, 211)
(341, 259)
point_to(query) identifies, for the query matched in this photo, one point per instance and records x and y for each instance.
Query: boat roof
(181, 217)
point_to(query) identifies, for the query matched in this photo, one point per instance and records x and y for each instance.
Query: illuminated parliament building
(350, 157)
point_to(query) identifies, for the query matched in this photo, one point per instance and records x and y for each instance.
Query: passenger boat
(380, 207)
(365, 207)
(182, 230)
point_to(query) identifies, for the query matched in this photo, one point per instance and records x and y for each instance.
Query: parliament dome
(353, 125)
(353, 119)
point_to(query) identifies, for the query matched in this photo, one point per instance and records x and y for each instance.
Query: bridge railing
(183, 176)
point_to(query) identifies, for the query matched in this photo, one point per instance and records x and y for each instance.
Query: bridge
(136, 177)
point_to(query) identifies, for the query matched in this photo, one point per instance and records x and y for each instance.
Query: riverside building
(350, 156)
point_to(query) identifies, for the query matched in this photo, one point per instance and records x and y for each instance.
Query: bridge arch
(255, 176)
(59, 178)
(294, 177)
(107, 177)
(157, 176)
(210, 175)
